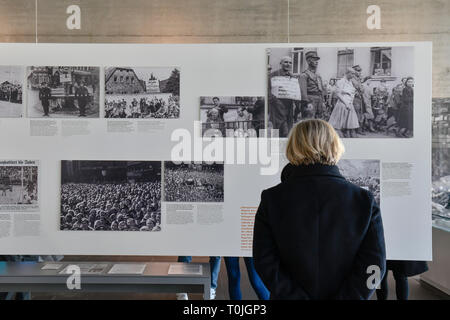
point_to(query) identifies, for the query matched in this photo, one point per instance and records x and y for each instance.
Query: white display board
(198, 229)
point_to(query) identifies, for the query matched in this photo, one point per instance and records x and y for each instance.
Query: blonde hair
(314, 141)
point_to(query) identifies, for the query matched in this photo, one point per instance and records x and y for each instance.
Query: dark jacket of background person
(406, 117)
(316, 234)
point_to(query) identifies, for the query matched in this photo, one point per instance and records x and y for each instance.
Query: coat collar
(290, 171)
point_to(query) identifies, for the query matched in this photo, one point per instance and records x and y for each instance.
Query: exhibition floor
(418, 291)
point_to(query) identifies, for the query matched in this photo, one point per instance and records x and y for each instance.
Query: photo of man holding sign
(284, 97)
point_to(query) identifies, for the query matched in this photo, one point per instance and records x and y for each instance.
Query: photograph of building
(63, 91)
(364, 92)
(142, 92)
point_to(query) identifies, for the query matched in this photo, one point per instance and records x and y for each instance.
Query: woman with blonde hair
(315, 233)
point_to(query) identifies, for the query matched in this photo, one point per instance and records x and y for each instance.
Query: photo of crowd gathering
(232, 116)
(18, 185)
(138, 106)
(11, 79)
(111, 196)
(363, 173)
(193, 182)
(361, 92)
(142, 92)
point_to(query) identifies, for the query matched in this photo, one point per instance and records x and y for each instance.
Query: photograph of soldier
(63, 91)
(18, 186)
(82, 96)
(45, 94)
(232, 116)
(360, 90)
(11, 78)
(142, 92)
(312, 90)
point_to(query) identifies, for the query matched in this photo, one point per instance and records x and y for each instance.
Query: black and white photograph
(365, 92)
(363, 173)
(441, 162)
(191, 182)
(19, 185)
(234, 116)
(142, 92)
(11, 101)
(63, 92)
(110, 195)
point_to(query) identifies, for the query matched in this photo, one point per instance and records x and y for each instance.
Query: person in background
(234, 279)
(401, 269)
(45, 93)
(221, 108)
(358, 99)
(281, 110)
(367, 103)
(406, 118)
(214, 264)
(82, 96)
(331, 95)
(315, 233)
(257, 112)
(243, 116)
(344, 117)
(312, 89)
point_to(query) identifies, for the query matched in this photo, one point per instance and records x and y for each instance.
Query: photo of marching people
(232, 116)
(363, 173)
(11, 78)
(110, 195)
(361, 92)
(142, 92)
(63, 91)
(18, 186)
(190, 182)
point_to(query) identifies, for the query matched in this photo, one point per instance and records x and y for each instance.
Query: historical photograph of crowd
(11, 79)
(63, 92)
(361, 92)
(142, 92)
(190, 182)
(18, 186)
(441, 161)
(111, 195)
(363, 173)
(232, 116)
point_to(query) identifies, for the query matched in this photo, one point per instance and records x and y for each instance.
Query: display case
(438, 275)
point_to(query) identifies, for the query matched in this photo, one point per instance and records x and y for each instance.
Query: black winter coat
(316, 235)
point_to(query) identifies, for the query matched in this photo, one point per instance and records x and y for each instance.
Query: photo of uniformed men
(365, 92)
(63, 92)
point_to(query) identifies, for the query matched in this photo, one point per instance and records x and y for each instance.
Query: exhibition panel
(170, 139)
